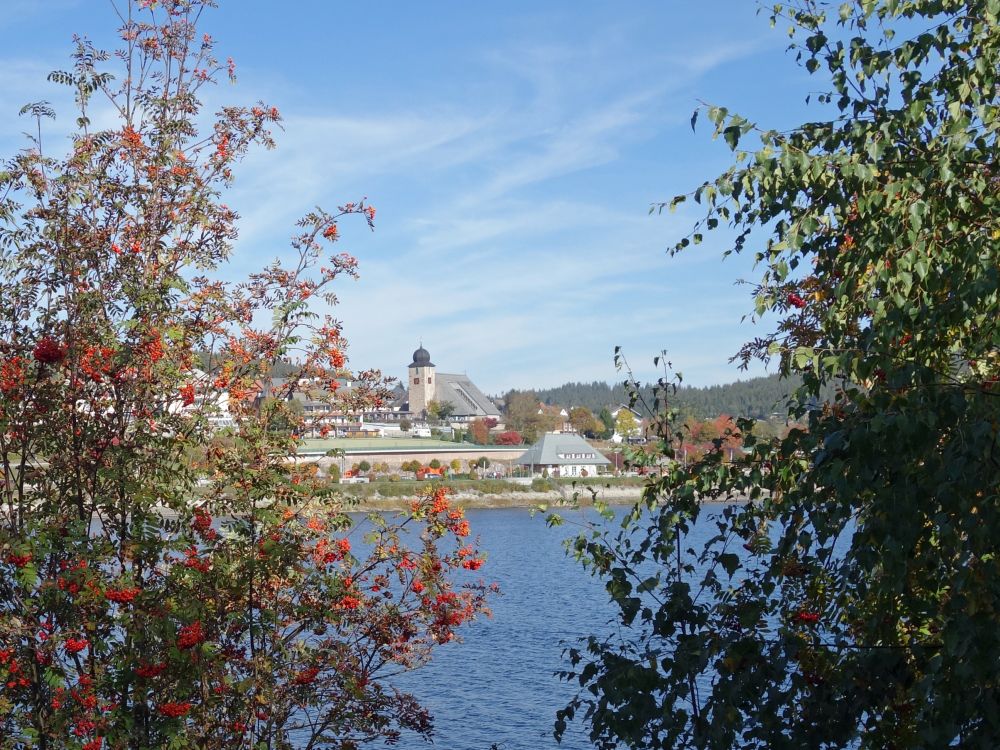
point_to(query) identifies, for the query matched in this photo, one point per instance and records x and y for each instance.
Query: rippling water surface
(498, 686)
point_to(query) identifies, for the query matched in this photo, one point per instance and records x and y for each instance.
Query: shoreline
(528, 500)
(478, 500)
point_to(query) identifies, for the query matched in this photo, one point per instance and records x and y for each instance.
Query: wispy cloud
(512, 191)
(572, 142)
(701, 59)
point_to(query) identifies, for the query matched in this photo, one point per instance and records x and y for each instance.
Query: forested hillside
(756, 397)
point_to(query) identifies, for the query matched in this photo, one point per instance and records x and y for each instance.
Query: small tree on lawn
(625, 423)
(479, 431)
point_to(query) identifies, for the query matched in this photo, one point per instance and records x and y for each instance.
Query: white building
(563, 454)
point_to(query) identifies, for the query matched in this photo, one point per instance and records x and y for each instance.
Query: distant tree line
(756, 398)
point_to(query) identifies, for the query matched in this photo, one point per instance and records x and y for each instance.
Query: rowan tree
(169, 577)
(852, 599)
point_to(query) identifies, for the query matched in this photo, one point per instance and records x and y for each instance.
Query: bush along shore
(496, 493)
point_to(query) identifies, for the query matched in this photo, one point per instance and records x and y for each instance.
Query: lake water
(498, 685)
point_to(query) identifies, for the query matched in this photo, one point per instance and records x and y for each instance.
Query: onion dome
(421, 358)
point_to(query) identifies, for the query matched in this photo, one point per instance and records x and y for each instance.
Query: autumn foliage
(170, 578)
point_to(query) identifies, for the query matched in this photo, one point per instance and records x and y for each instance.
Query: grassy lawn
(382, 444)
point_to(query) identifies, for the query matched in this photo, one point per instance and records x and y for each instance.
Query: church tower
(422, 381)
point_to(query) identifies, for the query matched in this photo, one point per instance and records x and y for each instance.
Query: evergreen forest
(754, 398)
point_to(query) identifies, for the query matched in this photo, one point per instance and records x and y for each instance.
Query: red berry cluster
(150, 670)
(121, 596)
(306, 676)
(19, 561)
(48, 351)
(190, 635)
(174, 710)
(796, 301)
(75, 645)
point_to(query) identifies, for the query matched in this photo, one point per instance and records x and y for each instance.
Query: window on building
(416, 381)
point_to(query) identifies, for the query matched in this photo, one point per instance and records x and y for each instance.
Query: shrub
(852, 600)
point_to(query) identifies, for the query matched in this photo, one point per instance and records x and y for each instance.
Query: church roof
(463, 394)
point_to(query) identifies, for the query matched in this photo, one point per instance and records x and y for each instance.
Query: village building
(326, 414)
(425, 385)
(563, 454)
(205, 399)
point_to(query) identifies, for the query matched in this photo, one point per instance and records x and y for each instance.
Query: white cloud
(499, 242)
(704, 58)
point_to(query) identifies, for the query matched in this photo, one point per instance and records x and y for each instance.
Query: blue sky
(512, 150)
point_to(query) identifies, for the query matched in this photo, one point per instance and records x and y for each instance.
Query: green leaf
(732, 136)
(27, 576)
(650, 584)
(729, 562)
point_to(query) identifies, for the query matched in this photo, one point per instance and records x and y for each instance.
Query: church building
(425, 384)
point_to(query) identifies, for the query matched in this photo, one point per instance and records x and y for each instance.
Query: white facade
(563, 455)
